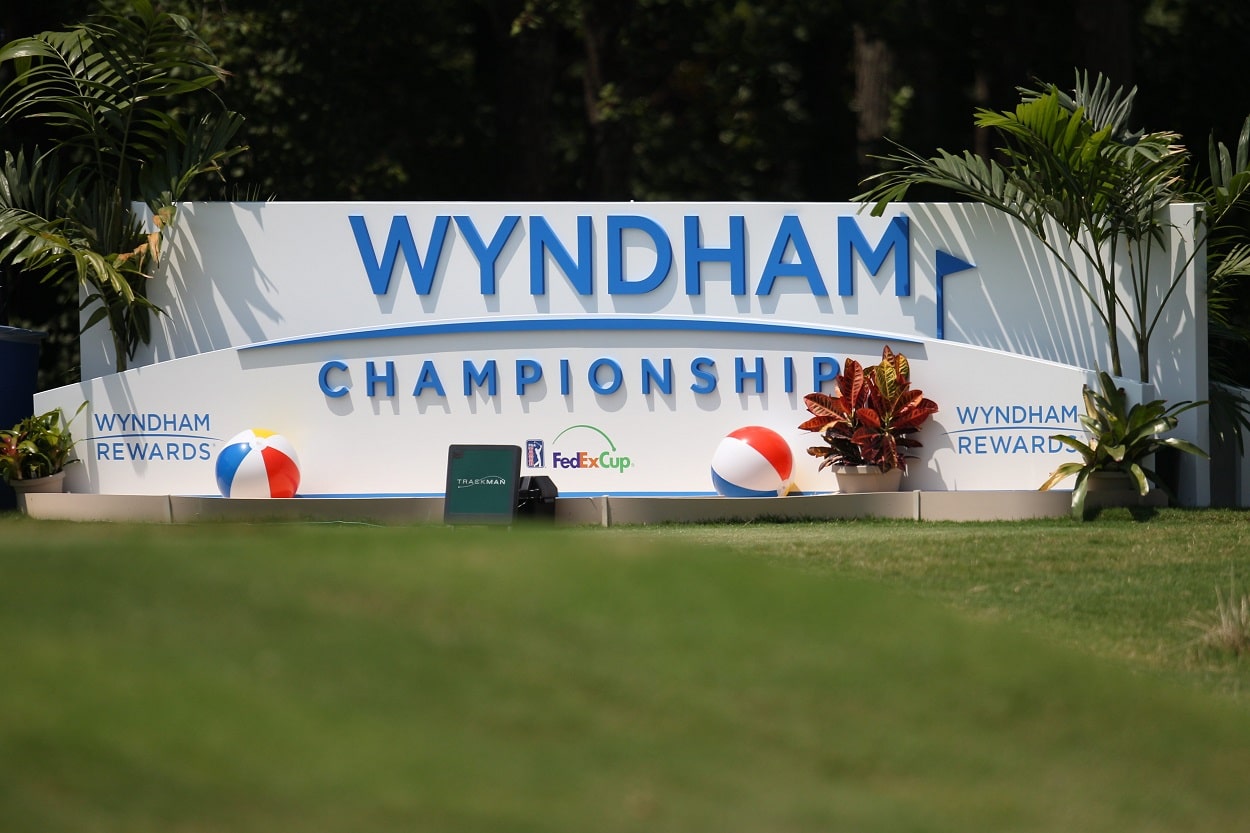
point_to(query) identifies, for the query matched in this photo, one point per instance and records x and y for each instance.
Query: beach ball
(752, 462)
(257, 463)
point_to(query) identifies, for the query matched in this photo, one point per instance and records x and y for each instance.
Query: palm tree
(1224, 197)
(110, 95)
(1071, 164)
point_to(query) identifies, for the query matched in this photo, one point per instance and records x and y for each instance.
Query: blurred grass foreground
(311, 677)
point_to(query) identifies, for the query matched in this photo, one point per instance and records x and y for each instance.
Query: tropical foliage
(37, 446)
(1071, 170)
(869, 418)
(1227, 217)
(107, 97)
(1074, 173)
(1121, 437)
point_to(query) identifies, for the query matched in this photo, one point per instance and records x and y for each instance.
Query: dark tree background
(656, 99)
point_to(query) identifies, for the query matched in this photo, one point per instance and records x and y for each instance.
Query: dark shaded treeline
(665, 99)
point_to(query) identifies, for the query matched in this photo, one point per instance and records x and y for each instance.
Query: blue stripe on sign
(565, 325)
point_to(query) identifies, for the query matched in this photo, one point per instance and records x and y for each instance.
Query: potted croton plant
(867, 423)
(35, 452)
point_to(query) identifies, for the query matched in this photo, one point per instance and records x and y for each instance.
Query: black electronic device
(482, 484)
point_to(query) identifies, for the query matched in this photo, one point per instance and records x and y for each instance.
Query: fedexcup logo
(586, 447)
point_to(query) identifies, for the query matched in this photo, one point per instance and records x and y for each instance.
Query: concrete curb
(605, 511)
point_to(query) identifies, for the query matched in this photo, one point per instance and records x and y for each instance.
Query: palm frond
(109, 89)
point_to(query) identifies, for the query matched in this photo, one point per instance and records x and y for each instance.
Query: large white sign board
(617, 342)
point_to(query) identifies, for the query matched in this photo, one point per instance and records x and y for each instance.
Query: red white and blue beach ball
(257, 463)
(752, 462)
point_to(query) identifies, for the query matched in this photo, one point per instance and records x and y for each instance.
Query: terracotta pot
(1111, 481)
(1106, 489)
(860, 479)
(51, 483)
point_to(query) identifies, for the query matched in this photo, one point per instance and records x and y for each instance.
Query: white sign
(616, 343)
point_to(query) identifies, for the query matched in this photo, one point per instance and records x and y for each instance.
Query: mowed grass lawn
(792, 677)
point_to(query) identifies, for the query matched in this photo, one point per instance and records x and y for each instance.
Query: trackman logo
(590, 451)
(488, 480)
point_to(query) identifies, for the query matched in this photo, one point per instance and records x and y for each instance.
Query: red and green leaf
(870, 415)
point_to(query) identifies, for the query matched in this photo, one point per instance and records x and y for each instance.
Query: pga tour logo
(535, 456)
(588, 448)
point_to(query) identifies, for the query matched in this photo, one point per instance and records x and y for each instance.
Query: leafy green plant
(1228, 265)
(871, 415)
(1120, 439)
(38, 446)
(112, 95)
(1071, 163)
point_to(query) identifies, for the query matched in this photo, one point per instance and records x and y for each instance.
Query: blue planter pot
(19, 358)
